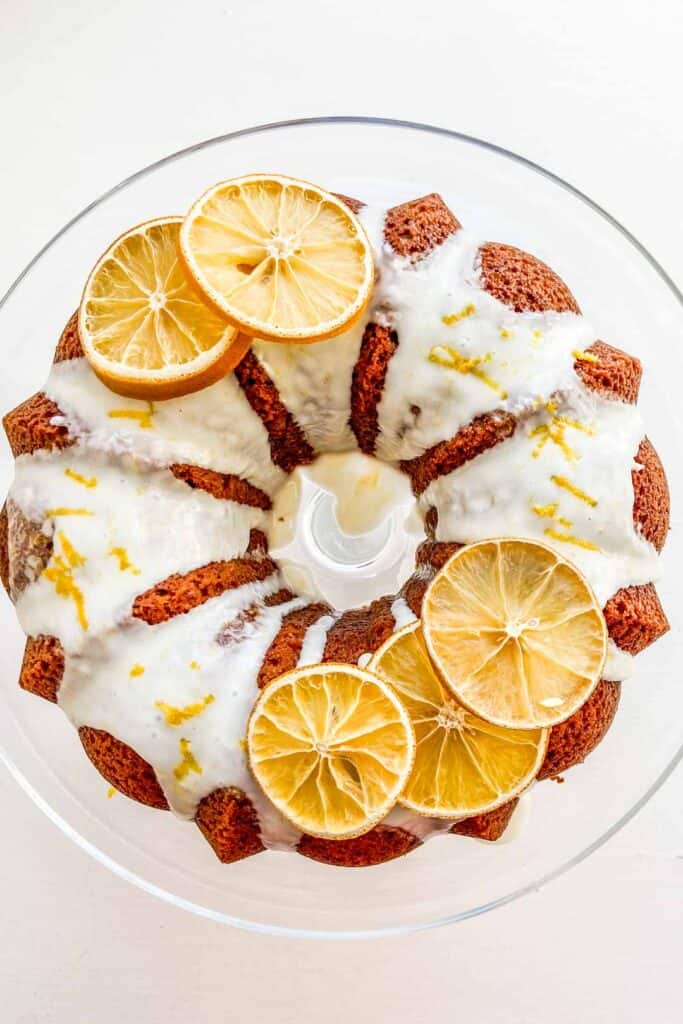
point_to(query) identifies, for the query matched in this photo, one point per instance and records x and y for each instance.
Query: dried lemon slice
(332, 747)
(281, 258)
(463, 764)
(145, 328)
(515, 632)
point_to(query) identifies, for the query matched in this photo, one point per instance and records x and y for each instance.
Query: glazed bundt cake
(134, 542)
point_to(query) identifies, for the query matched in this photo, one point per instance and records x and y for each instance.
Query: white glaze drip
(215, 428)
(132, 529)
(497, 493)
(314, 641)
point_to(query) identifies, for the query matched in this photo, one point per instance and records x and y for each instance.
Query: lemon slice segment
(515, 632)
(145, 327)
(463, 764)
(332, 747)
(280, 258)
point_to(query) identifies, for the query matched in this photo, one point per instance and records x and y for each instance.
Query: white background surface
(89, 92)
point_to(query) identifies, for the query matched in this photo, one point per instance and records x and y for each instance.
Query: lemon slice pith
(515, 632)
(280, 258)
(145, 328)
(463, 764)
(331, 746)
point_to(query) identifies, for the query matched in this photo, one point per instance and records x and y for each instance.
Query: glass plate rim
(280, 930)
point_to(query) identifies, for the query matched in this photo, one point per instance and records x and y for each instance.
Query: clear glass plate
(633, 305)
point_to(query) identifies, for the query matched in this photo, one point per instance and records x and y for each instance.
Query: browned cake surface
(283, 653)
(478, 436)
(122, 767)
(353, 204)
(359, 630)
(381, 844)
(178, 594)
(223, 486)
(522, 281)
(635, 618)
(616, 374)
(417, 227)
(29, 429)
(573, 740)
(367, 383)
(288, 446)
(69, 345)
(652, 503)
(229, 823)
(4, 549)
(489, 826)
(43, 667)
(435, 553)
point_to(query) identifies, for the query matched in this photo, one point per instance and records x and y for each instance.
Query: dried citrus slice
(144, 326)
(463, 764)
(332, 747)
(281, 258)
(515, 632)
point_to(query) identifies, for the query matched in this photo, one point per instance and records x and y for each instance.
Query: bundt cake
(137, 539)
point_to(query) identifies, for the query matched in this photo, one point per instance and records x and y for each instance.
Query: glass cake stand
(632, 303)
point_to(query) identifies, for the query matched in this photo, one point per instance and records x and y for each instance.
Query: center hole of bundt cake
(345, 529)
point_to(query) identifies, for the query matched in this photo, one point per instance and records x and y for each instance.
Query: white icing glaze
(494, 359)
(495, 494)
(140, 528)
(402, 613)
(314, 641)
(619, 664)
(524, 355)
(215, 428)
(228, 647)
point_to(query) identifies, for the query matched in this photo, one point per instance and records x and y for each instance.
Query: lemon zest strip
(141, 416)
(568, 538)
(451, 359)
(176, 716)
(61, 574)
(52, 513)
(454, 318)
(137, 670)
(86, 481)
(584, 357)
(567, 485)
(188, 762)
(124, 562)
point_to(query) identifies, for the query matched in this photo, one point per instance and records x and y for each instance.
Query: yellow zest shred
(505, 334)
(454, 318)
(555, 431)
(568, 538)
(188, 762)
(195, 665)
(124, 562)
(141, 416)
(538, 335)
(551, 406)
(111, 792)
(584, 357)
(176, 716)
(86, 481)
(567, 523)
(545, 511)
(137, 670)
(567, 485)
(52, 513)
(60, 572)
(451, 359)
